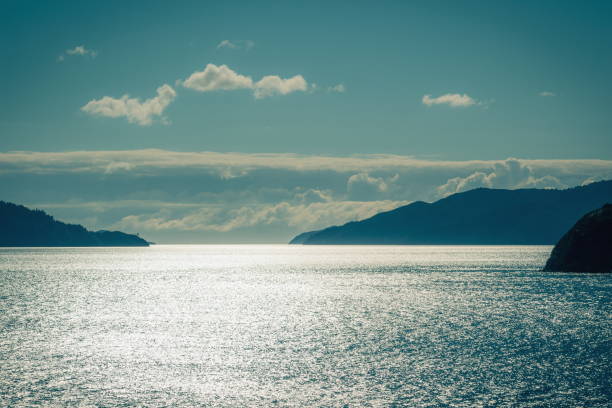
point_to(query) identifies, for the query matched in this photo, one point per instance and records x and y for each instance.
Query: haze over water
(300, 326)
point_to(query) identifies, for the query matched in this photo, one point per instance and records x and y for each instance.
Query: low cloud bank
(283, 214)
(209, 194)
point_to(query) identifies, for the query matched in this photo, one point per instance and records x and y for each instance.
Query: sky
(247, 122)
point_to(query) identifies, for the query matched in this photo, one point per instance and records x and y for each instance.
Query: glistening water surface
(188, 326)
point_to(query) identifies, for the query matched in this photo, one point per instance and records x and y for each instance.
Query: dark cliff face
(587, 246)
(476, 217)
(20, 226)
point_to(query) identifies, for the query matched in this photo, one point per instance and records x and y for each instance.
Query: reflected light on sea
(267, 325)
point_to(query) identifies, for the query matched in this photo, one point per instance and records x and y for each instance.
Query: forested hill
(20, 226)
(476, 217)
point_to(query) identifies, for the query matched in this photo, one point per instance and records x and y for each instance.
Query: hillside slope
(20, 226)
(587, 246)
(475, 217)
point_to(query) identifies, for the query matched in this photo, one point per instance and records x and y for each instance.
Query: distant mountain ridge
(476, 217)
(20, 226)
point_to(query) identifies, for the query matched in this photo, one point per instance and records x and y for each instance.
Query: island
(23, 227)
(587, 246)
(477, 217)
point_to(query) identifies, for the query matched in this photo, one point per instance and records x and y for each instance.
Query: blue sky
(461, 86)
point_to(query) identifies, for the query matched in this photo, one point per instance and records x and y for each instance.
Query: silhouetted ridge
(587, 246)
(301, 238)
(476, 217)
(20, 226)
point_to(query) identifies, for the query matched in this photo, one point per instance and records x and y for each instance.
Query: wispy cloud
(225, 219)
(79, 50)
(236, 44)
(98, 161)
(135, 111)
(453, 100)
(547, 93)
(223, 78)
(340, 88)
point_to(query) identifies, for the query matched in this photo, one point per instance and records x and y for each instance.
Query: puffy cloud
(213, 78)
(547, 93)
(79, 50)
(133, 109)
(511, 173)
(363, 186)
(458, 184)
(275, 85)
(454, 100)
(236, 44)
(217, 78)
(223, 78)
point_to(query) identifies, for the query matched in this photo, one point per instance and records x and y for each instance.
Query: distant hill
(20, 226)
(303, 237)
(587, 247)
(476, 217)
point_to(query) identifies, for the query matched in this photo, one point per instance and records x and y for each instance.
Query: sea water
(334, 326)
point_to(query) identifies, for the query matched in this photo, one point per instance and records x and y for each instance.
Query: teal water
(237, 326)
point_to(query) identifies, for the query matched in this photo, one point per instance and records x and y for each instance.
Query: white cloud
(217, 78)
(362, 184)
(454, 100)
(117, 166)
(79, 50)
(241, 163)
(275, 85)
(592, 179)
(226, 44)
(547, 93)
(223, 78)
(224, 219)
(340, 88)
(511, 173)
(365, 187)
(281, 193)
(314, 195)
(133, 109)
(236, 44)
